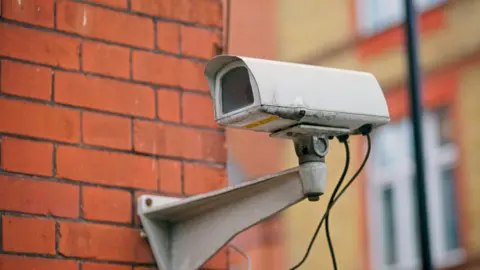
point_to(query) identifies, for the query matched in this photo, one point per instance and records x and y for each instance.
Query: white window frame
(399, 175)
(374, 16)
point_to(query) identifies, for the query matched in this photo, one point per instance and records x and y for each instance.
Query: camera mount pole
(416, 109)
(311, 152)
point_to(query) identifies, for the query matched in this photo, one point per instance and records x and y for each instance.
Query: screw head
(148, 202)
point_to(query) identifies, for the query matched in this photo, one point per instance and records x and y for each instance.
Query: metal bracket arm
(185, 233)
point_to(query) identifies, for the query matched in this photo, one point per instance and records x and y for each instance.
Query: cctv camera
(307, 104)
(287, 99)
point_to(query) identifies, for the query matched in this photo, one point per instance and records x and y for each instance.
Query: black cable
(365, 159)
(323, 218)
(331, 202)
(369, 147)
(327, 231)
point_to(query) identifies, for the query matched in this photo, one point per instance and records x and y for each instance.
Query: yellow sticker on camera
(262, 122)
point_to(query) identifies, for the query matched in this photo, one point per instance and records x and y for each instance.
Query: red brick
(110, 60)
(176, 141)
(100, 167)
(168, 70)
(25, 156)
(38, 12)
(28, 235)
(38, 46)
(168, 37)
(102, 266)
(10, 262)
(170, 176)
(191, 45)
(107, 204)
(38, 120)
(26, 80)
(192, 76)
(198, 110)
(207, 12)
(103, 242)
(38, 197)
(168, 105)
(155, 68)
(112, 3)
(200, 178)
(219, 261)
(104, 94)
(97, 22)
(107, 130)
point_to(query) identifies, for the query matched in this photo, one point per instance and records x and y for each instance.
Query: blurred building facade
(374, 224)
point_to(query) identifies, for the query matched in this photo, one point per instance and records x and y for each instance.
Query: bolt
(148, 202)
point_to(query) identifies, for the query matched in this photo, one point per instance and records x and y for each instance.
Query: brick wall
(101, 101)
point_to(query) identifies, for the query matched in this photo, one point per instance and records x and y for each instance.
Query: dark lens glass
(236, 90)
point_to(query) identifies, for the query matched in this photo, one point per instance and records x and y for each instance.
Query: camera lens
(236, 90)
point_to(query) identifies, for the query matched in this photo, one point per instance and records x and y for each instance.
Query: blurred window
(375, 16)
(389, 224)
(444, 128)
(447, 163)
(449, 210)
(392, 194)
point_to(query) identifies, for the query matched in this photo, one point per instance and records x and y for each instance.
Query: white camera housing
(287, 99)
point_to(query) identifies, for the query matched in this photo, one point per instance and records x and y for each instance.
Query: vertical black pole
(416, 110)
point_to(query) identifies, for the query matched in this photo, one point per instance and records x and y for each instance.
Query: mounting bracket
(185, 233)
